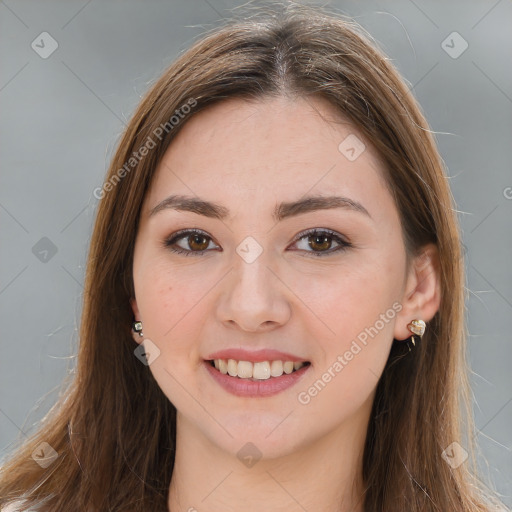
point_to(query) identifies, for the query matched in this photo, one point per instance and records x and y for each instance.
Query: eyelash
(343, 244)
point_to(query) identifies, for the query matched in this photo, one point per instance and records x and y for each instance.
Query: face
(322, 284)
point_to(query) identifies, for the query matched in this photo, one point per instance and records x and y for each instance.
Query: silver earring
(137, 327)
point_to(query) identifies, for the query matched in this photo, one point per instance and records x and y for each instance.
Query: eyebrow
(282, 211)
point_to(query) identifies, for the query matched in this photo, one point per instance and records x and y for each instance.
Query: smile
(260, 370)
(259, 379)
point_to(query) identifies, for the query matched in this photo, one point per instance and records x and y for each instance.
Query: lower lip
(251, 388)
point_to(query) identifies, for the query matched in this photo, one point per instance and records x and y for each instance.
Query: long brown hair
(114, 429)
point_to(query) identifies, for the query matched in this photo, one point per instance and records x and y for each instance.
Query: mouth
(256, 371)
(259, 379)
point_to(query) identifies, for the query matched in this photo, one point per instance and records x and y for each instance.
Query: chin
(269, 437)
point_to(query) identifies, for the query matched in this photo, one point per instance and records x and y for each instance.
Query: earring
(137, 327)
(416, 327)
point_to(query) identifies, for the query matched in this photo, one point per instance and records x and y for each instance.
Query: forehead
(240, 149)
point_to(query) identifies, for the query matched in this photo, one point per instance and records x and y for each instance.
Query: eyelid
(172, 239)
(344, 244)
(328, 231)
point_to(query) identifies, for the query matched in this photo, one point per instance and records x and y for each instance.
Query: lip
(255, 356)
(252, 389)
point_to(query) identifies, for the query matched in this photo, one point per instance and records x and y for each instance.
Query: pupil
(195, 239)
(324, 244)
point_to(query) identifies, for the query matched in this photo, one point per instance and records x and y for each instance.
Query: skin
(249, 156)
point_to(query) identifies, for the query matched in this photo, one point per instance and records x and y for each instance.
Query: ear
(138, 339)
(135, 309)
(422, 295)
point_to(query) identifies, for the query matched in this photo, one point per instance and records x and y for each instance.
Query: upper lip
(240, 354)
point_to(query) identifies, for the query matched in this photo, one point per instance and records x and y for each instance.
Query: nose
(254, 297)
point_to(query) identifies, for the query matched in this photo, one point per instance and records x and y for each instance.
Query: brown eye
(320, 242)
(198, 242)
(188, 242)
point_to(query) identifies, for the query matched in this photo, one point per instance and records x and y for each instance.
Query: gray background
(62, 116)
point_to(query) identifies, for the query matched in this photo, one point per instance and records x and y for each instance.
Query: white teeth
(288, 367)
(244, 370)
(223, 366)
(276, 368)
(232, 367)
(261, 370)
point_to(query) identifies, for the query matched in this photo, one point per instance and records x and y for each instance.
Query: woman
(277, 232)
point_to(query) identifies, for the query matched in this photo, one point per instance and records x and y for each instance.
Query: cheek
(350, 298)
(358, 307)
(172, 306)
(172, 313)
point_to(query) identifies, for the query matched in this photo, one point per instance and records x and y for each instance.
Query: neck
(322, 475)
